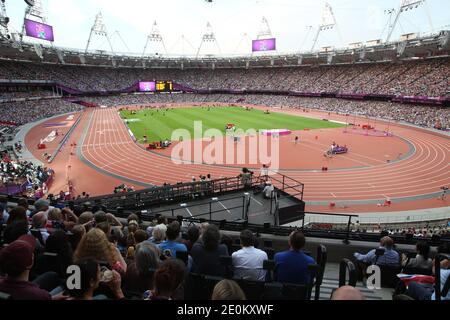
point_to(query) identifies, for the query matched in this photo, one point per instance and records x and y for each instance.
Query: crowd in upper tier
(420, 78)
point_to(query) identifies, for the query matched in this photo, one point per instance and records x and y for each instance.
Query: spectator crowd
(419, 78)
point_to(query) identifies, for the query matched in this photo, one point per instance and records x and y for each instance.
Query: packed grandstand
(134, 244)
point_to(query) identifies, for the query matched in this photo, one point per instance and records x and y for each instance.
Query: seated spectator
(140, 236)
(419, 291)
(168, 281)
(16, 261)
(55, 219)
(69, 218)
(57, 243)
(139, 276)
(421, 260)
(40, 223)
(171, 246)
(291, 266)
(23, 202)
(78, 231)
(133, 219)
(193, 233)
(15, 230)
(91, 276)
(95, 245)
(162, 222)
(227, 290)
(248, 262)
(41, 205)
(105, 227)
(158, 234)
(17, 214)
(389, 258)
(206, 253)
(100, 216)
(87, 220)
(347, 293)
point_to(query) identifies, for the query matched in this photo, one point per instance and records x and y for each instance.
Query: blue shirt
(292, 267)
(172, 247)
(389, 258)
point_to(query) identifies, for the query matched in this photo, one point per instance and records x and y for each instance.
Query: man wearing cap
(41, 205)
(16, 261)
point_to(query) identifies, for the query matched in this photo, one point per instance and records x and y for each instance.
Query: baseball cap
(18, 255)
(41, 203)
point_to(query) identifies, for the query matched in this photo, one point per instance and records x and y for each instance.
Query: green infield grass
(159, 125)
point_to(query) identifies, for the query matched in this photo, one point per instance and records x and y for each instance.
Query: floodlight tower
(406, 5)
(208, 37)
(264, 31)
(99, 29)
(4, 20)
(328, 23)
(34, 11)
(154, 37)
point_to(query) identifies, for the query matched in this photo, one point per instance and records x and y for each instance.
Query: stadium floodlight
(407, 5)
(208, 37)
(99, 29)
(328, 22)
(154, 37)
(4, 20)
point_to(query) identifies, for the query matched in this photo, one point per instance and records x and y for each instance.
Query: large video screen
(148, 86)
(39, 30)
(264, 45)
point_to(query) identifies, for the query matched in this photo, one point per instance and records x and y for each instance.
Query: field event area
(159, 123)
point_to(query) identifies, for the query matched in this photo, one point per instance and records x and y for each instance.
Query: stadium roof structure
(407, 48)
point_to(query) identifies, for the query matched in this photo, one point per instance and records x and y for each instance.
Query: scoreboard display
(164, 86)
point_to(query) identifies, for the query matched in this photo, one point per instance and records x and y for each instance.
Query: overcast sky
(290, 22)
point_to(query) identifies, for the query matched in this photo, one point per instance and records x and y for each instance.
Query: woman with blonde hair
(95, 245)
(227, 290)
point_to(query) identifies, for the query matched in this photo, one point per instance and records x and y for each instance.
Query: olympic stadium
(331, 149)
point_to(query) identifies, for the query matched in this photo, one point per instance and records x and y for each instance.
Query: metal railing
(190, 191)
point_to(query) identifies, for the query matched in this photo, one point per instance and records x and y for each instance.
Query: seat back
(208, 286)
(270, 253)
(227, 262)
(438, 291)
(292, 291)
(194, 287)
(321, 262)
(389, 277)
(269, 265)
(253, 289)
(347, 267)
(272, 291)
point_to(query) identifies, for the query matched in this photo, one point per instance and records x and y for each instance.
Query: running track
(108, 147)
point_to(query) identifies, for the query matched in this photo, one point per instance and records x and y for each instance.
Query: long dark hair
(423, 248)
(211, 238)
(88, 272)
(58, 242)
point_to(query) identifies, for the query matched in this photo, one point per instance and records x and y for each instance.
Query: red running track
(109, 148)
